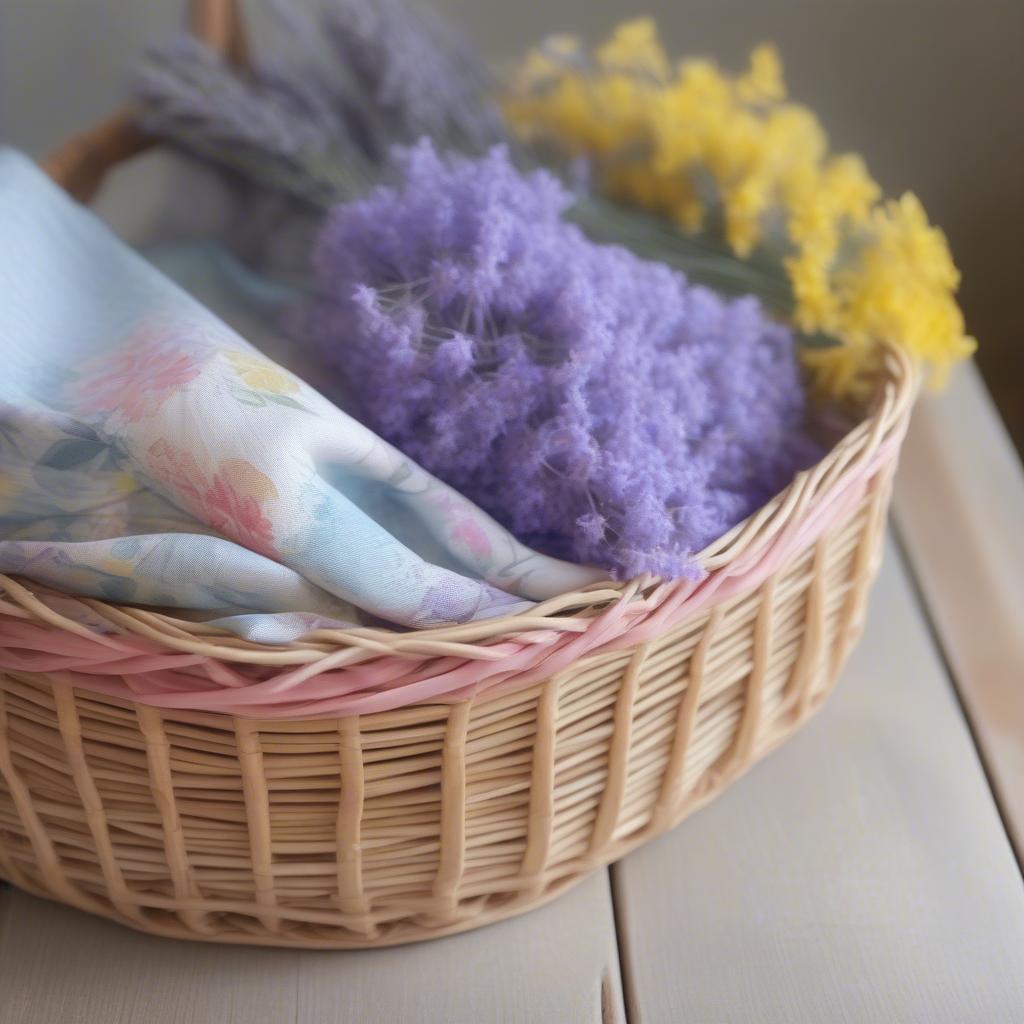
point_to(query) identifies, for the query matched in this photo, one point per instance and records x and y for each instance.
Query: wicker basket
(551, 743)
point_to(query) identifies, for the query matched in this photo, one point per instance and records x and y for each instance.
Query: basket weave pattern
(409, 823)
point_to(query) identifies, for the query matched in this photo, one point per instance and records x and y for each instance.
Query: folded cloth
(149, 454)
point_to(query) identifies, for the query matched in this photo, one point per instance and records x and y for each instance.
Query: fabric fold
(150, 454)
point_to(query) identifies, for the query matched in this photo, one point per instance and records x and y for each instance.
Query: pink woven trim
(138, 669)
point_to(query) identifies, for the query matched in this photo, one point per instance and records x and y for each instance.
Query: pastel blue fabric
(150, 454)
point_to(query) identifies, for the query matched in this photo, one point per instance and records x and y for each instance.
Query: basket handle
(80, 164)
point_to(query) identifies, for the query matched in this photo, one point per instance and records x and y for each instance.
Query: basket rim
(572, 612)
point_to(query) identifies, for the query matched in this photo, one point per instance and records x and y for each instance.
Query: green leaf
(71, 452)
(247, 397)
(286, 401)
(817, 340)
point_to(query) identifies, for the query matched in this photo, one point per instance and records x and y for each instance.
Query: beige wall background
(930, 91)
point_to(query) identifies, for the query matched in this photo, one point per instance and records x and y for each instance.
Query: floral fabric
(150, 454)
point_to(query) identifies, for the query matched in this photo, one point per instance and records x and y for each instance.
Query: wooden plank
(860, 874)
(60, 966)
(558, 964)
(960, 508)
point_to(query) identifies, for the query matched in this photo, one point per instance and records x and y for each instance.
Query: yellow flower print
(260, 375)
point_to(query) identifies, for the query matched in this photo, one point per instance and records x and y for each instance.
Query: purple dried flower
(348, 80)
(279, 130)
(417, 73)
(594, 403)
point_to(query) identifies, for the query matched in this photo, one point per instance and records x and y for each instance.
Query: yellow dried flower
(814, 300)
(763, 83)
(661, 138)
(900, 286)
(634, 47)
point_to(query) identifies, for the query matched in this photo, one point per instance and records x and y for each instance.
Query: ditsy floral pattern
(149, 454)
(261, 383)
(135, 379)
(230, 500)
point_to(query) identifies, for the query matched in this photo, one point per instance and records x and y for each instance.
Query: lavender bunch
(411, 69)
(287, 137)
(315, 122)
(597, 405)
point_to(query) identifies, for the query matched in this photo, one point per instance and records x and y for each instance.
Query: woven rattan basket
(445, 778)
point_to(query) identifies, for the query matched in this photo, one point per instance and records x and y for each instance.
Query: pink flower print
(230, 503)
(473, 537)
(136, 379)
(238, 515)
(464, 531)
(178, 474)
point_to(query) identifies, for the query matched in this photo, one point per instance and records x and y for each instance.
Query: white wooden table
(864, 873)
